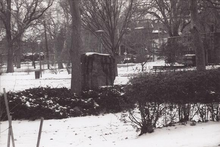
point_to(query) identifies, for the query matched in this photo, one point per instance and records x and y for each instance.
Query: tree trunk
(18, 53)
(196, 36)
(10, 67)
(76, 44)
(116, 58)
(46, 46)
(60, 64)
(18, 58)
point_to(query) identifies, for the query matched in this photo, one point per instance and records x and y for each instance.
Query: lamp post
(100, 32)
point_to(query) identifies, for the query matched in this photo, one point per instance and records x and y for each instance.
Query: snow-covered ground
(97, 131)
(22, 80)
(108, 131)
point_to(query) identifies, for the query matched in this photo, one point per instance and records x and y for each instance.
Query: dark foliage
(176, 87)
(59, 103)
(174, 96)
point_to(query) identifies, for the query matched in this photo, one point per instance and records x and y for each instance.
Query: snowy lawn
(97, 131)
(108, 131)
(22, 80)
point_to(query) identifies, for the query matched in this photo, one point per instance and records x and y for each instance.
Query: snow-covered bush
(174, 96)
(61, 103)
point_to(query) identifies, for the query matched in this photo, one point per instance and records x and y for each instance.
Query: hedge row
(61, 103)
(176, 87)
(170, 97)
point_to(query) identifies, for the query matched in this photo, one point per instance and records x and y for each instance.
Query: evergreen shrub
(56, 103)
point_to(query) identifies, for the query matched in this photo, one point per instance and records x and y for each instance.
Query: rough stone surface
(97, 70)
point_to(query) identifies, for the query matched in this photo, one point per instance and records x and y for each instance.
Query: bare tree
(111, 17)
(5, 15)
(23, 13)
(60, 31)
(196, 36)
(139, 41)
(209, 15)
(174, 14)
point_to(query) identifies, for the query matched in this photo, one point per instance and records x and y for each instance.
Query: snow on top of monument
(95, 53)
